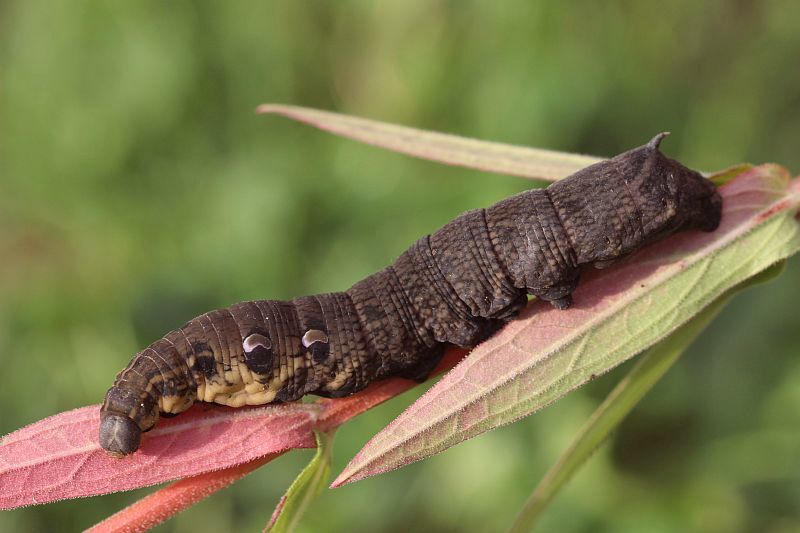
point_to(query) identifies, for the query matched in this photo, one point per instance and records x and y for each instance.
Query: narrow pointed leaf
(626, 395)
(304, 489)
(165, 503)
(618, 312)
(449, 149)
(60, 457)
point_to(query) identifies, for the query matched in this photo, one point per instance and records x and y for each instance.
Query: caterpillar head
(671, 197)
(124, 416)
(614, 207)
(119, 435)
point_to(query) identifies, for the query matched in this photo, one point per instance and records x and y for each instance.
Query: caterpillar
(456, 286)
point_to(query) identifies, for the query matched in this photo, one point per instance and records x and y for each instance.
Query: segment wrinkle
(407, 307)
(572, 252)
(506, 273)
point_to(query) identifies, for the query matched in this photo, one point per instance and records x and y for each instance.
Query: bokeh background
(139, 189)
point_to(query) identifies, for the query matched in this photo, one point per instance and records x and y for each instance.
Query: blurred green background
(139, 189)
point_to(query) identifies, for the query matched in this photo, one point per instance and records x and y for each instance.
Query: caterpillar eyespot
(256, 342)
(455, 286)
(314, 335)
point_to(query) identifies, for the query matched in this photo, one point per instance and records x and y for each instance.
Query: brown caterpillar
(456, 286)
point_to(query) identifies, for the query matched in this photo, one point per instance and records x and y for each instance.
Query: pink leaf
(618, 312)
(165, 503)
(59, 457)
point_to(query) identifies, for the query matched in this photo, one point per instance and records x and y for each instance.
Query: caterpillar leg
(423, 369)
(559, 296)
(565, 302)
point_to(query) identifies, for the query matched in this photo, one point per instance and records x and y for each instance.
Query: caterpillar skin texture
(456, 286)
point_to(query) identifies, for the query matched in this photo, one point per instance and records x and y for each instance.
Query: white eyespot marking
(314, 335)
(254, 341)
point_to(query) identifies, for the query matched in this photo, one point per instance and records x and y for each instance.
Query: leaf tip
(282, 109)
(358, 469)
(264, 109)
(276, 514)
(345, 478)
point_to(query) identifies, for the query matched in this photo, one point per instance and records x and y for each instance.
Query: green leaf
(625, 396)
(304, 488)
(534, 163)
(724, 176)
